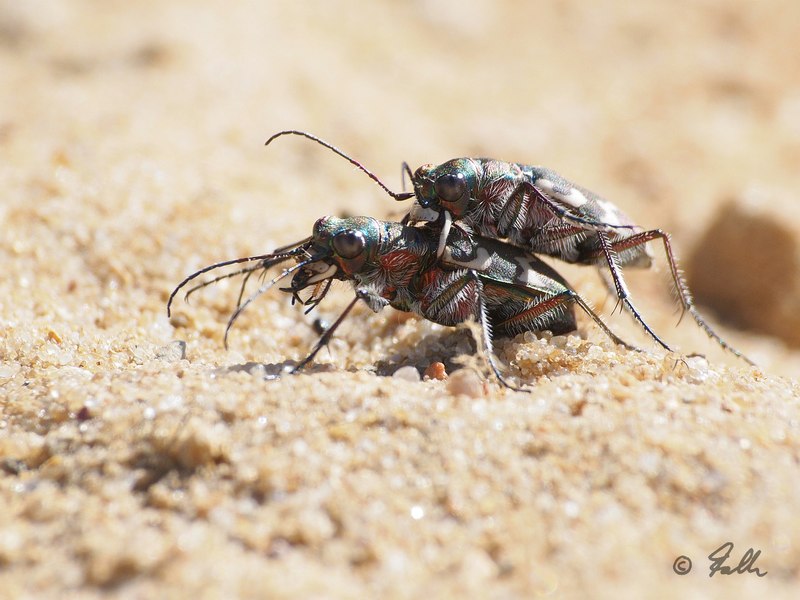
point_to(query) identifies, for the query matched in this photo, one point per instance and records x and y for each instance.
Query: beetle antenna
(406, 170)
(397, 196)
(242, 305)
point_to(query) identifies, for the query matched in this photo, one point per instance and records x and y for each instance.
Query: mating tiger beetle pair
(447, 261)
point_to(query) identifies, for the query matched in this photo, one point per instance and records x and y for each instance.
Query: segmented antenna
(406, 170)
(397, 196)
(266, 261)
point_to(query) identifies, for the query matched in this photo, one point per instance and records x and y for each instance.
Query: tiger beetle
(504, 288)
(538, 210)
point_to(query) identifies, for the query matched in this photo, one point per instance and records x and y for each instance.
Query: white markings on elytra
(481, 262)
(613, 216)
(530, 276)
(574, 198)
(611, 213)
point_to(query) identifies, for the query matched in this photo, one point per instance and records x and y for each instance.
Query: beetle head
(447, 186)
(340, 248)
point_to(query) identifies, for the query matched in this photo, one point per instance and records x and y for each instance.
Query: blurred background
(131, 154)
(681, 113)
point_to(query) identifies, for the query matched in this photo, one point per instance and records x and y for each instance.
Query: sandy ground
(131, 153)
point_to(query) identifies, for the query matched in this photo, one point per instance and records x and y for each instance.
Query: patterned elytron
(503, 288)
(536, 209)
(540, 211)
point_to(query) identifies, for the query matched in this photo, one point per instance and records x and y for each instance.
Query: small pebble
(435, 370)
(172, 352)
(466, 382)
(407, 373)
(181, 320)
(8, 370)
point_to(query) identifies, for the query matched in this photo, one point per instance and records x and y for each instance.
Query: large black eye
(349, 243)
(450, 187)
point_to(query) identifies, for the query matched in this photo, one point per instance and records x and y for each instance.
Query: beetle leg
(369, 297)
(326, 336)
(452, 297)
(607, 250)
(610, 254)
(538, 308)
(680, 287)
(486, 332)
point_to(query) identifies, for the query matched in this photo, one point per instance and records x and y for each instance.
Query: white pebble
(407, 373)
(467, 382)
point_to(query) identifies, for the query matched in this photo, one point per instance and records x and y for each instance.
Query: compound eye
(349, 243)
(450, 187)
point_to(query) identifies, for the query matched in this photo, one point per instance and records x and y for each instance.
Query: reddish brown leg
(537, 309)
(681, 289)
